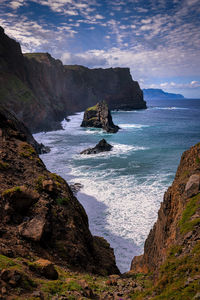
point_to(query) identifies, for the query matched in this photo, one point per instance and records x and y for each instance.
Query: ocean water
(122, 189)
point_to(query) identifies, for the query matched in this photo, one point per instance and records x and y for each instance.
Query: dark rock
(99, 116)
(39, 212)
(20, 198)
(76, 187)
(33, 229)
(43, 149)
(42, 91)
(102, 146)
(12, 127)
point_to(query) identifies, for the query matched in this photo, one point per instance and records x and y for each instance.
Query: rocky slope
(172, 249)
(39, 215)
(99, 116)
(42, 91)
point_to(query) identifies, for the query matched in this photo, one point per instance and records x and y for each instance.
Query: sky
(158, 40)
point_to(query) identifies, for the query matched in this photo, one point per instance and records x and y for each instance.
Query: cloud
(89, 59)
(16, 4)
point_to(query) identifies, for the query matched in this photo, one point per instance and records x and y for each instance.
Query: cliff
(160, 94)
(172, 249)
(39, 215)
(42, 91)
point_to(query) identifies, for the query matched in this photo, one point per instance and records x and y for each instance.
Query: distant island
(160, 94)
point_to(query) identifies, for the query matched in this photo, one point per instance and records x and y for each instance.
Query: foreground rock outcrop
(172, 249)
(99, 116)
(42, 91)
(102, 146)
(39, 215)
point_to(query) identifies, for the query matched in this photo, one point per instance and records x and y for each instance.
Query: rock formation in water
(42, 91)
(102, 146)
(39, 215)
(99, 116)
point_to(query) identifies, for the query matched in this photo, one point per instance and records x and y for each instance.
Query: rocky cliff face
(178, 224)
(41, 91)
(39, 215)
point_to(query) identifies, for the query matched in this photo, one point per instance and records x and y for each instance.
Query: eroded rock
(192, 186)
(99, 116)
(102, 146)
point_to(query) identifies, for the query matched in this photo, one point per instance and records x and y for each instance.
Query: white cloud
(15, 4)
(89, 59)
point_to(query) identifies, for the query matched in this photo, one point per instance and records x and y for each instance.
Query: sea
(122, 189)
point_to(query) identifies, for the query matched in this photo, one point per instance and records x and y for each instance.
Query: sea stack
(102, 146)
(99, 116)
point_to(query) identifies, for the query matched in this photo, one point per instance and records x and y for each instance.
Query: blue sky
(158, 40)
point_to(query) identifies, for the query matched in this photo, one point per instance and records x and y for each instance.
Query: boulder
(192, 186)
(33, 229)
(102, 146)
(76, 187)
(45, 268)
(99, 116)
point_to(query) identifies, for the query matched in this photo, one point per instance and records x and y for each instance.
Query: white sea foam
(127, 207)
(121, 207)
(170, 108)
(117, 150)
(136, 126)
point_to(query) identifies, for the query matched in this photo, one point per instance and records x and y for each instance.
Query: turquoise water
(122, 189)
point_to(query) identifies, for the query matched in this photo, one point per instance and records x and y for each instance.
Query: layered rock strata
(39, 215)
(99, 116)
(42, 91)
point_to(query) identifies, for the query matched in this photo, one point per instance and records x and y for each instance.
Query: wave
(117, 150)
(171, 108)
(137, 126)
(123, 206)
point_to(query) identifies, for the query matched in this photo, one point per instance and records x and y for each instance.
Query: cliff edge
(39, 215)
(172, 248)
(42, 91)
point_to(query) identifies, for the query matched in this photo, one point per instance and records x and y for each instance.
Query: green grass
(92, 108)
(6, 262)
(27, 151)
(62, 201)
(59, 286)
(11, 191)
(186, 224)
(173, 283)
(197, 160)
